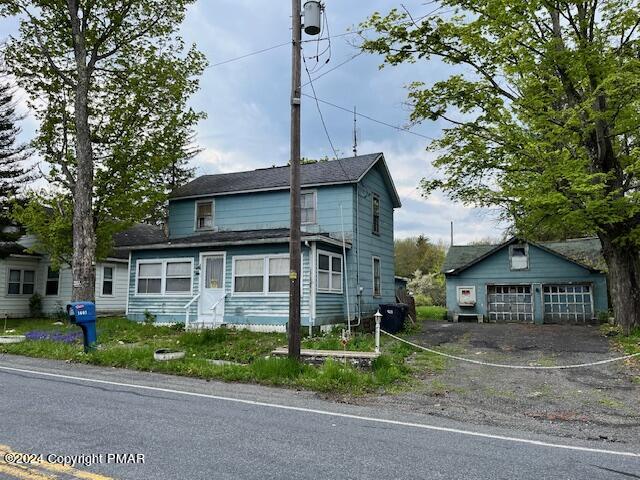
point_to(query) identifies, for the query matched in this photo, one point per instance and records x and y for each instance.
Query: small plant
(149, 318)
(35, 305)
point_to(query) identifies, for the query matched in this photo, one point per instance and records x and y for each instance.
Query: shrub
(35, 305)
(149, 318)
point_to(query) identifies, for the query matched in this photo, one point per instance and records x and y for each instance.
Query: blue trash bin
(83, 314)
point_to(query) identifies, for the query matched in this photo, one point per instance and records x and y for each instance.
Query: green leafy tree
(109, 82)
(543, 113)
(418, 253)
(13, 174)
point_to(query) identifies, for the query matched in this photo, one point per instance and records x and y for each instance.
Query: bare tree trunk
(624, 282)
(84, 240)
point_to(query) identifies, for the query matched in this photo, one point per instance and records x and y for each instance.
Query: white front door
(212, 290)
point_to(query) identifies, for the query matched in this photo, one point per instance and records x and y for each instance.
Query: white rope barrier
(517, 367)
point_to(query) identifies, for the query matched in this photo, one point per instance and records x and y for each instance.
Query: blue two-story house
(225, 260)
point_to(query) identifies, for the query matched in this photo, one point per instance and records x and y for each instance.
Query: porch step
(318, 356)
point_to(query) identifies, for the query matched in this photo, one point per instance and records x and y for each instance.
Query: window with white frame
(204, 215)
(165, 277)
(150, 278)
(262, 275)
(53, 282)
(308, 208)
(519, 256)
(329, 272)
(177, 277)
(107, 280)
(377, 284)
(21, 282)
(375, 209)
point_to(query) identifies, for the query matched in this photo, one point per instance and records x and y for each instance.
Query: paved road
(190, 429)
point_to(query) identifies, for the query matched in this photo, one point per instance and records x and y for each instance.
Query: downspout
(346, 272)
(312, 286)
(358, 288)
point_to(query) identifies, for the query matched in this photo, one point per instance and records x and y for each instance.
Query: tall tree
(543, 113)
(418, 253)
(109, 81)
(13, 174)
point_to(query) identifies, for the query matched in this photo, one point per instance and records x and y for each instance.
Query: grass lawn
(433, 313)
(128, 344)
(630, 344)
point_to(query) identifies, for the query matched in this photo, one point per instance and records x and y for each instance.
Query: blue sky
(247, 103)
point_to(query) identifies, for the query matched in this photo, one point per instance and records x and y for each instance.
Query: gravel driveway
(598, 403)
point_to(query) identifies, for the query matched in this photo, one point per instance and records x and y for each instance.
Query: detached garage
(522, 281)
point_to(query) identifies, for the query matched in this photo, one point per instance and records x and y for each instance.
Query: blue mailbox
(83, 314)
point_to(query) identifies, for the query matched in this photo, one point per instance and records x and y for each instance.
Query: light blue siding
(264, 210)
(242, 310)
(340, 208)
(366, 245)
(544, 268)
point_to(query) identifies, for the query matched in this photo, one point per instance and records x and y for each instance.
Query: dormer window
(519, 256)
(204, 215)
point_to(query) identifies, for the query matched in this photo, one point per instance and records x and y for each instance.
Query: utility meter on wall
(466, 296)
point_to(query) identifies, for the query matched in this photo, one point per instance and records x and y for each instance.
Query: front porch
(240, 286)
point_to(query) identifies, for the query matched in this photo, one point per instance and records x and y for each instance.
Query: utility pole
(295, 235)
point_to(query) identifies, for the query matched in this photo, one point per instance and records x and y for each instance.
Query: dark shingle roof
(138, 234)
(13, 248)
(460, 255)
(231, 237)
(345, 170)
(584, 251)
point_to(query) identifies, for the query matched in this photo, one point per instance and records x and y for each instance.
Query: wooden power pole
(295, 236)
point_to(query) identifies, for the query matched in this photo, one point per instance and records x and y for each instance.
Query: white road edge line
(328, 413)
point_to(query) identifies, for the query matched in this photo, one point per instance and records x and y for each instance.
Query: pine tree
(12, 155)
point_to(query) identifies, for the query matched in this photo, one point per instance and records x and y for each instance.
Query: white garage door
(510, 303)
(567, 303)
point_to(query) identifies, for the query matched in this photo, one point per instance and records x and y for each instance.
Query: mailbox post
(83, 314)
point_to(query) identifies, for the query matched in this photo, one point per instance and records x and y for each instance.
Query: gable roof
(585, 252)
(332, 172)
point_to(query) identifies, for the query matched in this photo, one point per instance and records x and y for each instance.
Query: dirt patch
(597, 403)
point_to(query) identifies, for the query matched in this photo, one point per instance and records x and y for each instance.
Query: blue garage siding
(544, 268)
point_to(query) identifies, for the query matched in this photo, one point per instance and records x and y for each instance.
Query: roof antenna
(355, 132)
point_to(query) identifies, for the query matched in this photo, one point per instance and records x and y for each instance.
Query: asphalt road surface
(132, 425)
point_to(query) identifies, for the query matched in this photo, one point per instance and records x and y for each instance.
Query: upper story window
(107, 280)
(376, 214)
(204, 215)
(519, 256)
(53, 281)
(308, 208)
(21, 282)
(329, 272)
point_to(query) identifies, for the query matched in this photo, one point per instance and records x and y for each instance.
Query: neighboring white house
(23, 274)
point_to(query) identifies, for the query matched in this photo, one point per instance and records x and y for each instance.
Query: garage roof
(585, 252)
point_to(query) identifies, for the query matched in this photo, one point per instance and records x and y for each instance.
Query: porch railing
(187, 308)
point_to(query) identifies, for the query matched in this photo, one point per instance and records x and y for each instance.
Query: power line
(249, 54)
(350, 111)
(324, 125)
(328, 37)
(353, 57)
